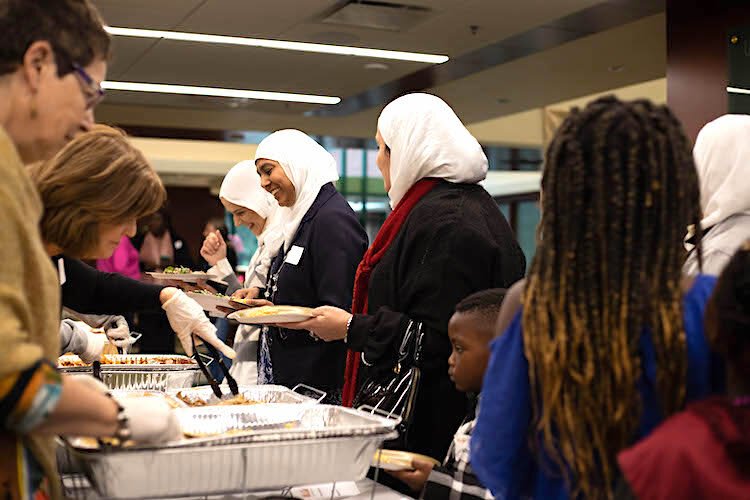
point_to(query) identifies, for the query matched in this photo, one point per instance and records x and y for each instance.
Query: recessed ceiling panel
(153, 14)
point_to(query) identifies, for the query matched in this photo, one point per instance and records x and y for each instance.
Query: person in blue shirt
(604, 339)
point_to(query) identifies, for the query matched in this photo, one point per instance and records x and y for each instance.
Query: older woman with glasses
(54, 55)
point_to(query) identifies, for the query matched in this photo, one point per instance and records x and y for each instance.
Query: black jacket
(454, 242)
(334, 242)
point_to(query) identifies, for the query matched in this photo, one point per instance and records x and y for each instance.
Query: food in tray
(239, 399)
(148, 394)
(73, 361)
(232, 432)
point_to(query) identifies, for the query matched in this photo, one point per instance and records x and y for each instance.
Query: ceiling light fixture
(280, 44)
(737, 90)
(219, 92)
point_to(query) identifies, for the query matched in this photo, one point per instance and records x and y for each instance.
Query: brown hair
(619, 190)
(98, 178)
(74, 28)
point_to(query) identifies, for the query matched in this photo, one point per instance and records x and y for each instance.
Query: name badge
(61, 271)
(294, 255)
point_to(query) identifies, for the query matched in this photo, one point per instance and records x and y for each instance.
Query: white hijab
(307, 165)
(241, 186)
(722, 158)
(427, 139)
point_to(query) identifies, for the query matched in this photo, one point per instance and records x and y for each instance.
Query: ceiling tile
(144, 13)
(259, 18)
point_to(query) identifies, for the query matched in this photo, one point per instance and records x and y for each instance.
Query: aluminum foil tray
(130, 362)
(328, 443)
(146, 375)
(259, 393)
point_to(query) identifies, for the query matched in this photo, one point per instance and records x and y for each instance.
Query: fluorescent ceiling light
(280, 44)
(737, 90)
(219, 92)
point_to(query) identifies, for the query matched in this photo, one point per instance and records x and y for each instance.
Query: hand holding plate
(328, 324)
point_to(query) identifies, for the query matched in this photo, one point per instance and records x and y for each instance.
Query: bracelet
(348, 324)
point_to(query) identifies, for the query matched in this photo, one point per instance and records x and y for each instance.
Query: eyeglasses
(92, 92)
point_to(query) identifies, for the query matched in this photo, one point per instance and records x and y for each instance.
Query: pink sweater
(124, 260)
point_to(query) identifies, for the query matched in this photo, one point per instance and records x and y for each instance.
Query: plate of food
(272, 315)
(213, 302)
(398, 460)
(181, 273)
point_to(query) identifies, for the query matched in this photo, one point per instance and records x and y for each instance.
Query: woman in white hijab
(722, 158)
(445, 239)
(252, 207)
(323, 243)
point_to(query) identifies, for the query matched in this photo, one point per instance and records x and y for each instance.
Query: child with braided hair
(609, 338)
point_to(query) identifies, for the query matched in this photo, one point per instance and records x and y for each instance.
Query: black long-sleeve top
(454, 242)
(90, 291)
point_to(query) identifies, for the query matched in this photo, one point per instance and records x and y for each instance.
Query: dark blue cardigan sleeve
(341, 247)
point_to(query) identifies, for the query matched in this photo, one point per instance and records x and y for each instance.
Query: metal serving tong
(215, 387)
(136, 337)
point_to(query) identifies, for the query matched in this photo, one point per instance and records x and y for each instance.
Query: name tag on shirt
(294, 255)
(61, 271)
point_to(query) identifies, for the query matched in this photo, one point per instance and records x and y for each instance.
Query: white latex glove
(118, 332)
(94, 347)
(186, 317)
(150, 420)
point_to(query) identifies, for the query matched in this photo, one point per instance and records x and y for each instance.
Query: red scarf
(379, 247)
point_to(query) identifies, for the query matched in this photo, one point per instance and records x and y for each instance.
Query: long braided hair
(619, 190)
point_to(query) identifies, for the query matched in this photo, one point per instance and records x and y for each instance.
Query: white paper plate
(272, 314)
(189, 278)
(209, 303)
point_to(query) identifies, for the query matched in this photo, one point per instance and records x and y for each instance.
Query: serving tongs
(215, 387)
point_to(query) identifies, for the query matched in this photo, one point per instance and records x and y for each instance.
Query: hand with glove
(76, 337)
(118, 331)
(148, 419)
(186, 317)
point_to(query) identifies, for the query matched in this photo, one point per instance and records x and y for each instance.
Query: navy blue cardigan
(333, 243)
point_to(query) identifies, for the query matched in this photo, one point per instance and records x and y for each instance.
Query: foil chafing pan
(244, 448)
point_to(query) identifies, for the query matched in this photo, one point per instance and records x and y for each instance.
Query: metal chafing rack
(243, 448)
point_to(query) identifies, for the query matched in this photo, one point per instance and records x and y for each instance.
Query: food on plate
(248, 302)
(212, 294)
(239, 399)
(259, 312)
(399, 460)
(178, 270)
